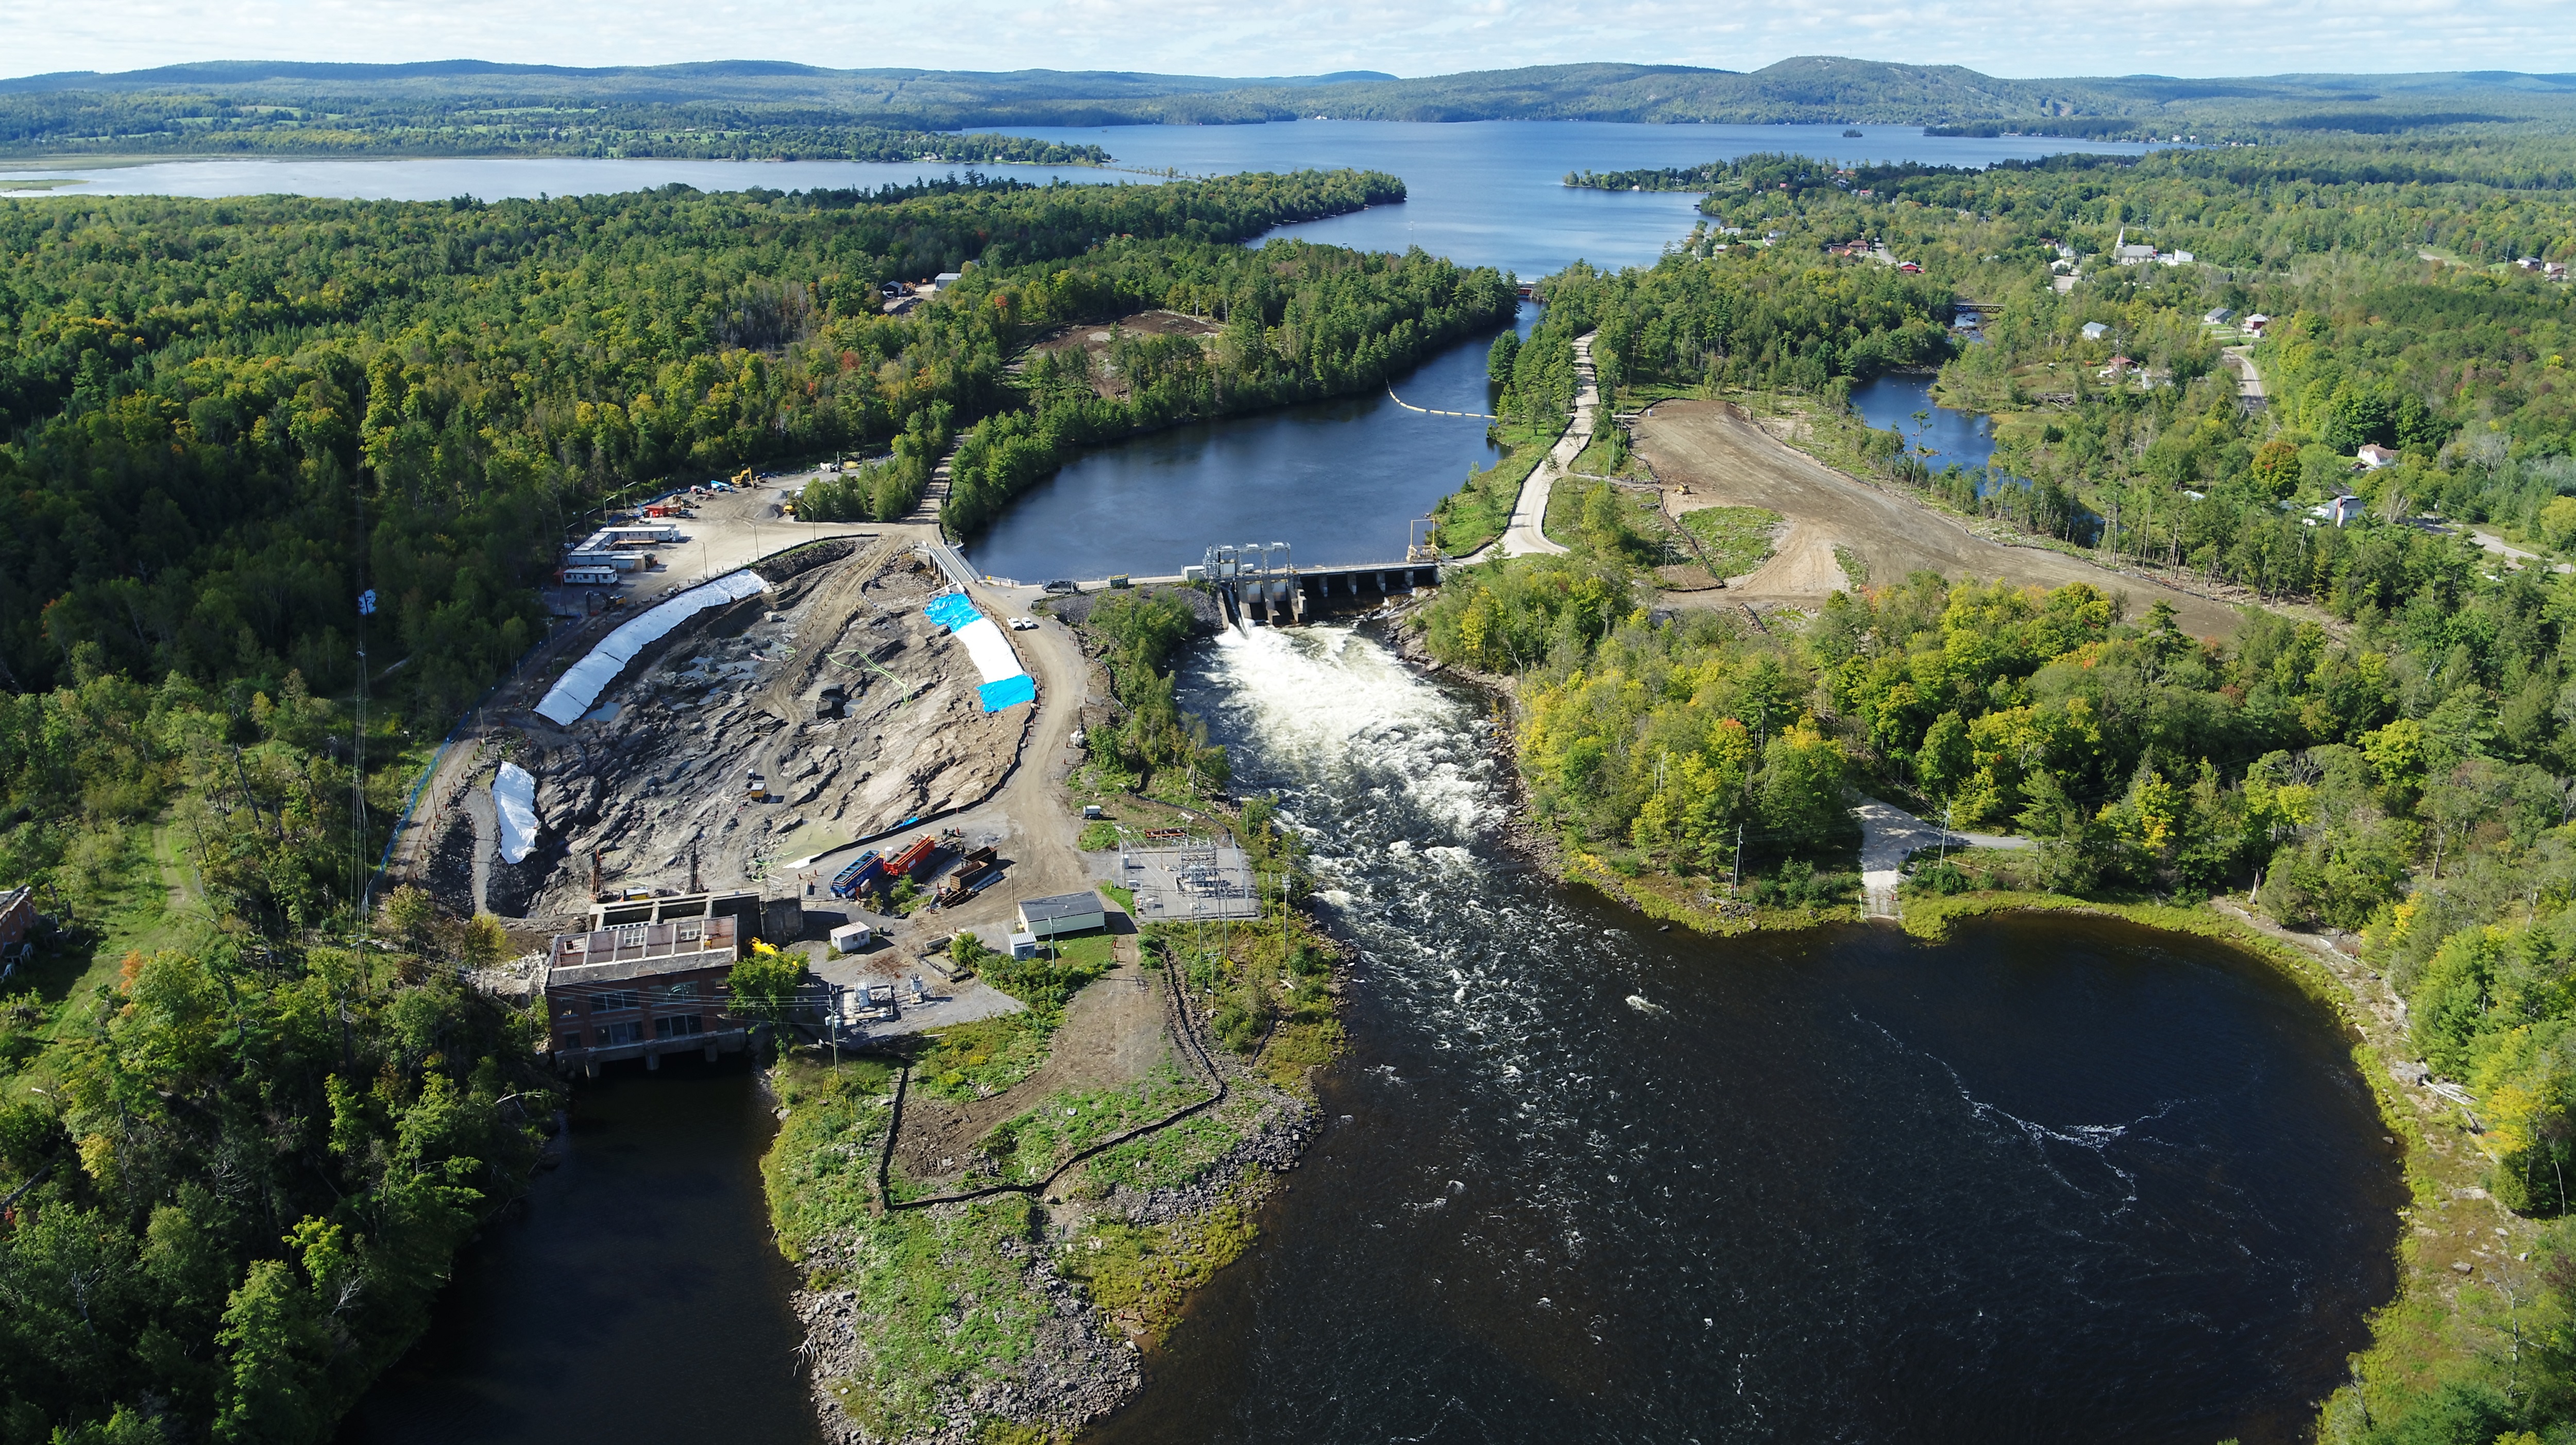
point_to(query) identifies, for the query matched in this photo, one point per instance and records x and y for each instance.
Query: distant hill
(753, 108)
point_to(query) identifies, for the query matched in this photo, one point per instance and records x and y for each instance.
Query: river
(1339, 481)
(2056, 1180)
(635, 1296)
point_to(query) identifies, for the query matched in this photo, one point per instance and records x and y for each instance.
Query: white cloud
(1283, 37)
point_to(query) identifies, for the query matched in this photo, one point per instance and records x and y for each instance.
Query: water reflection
(1965, 439)
(1339, 481)
(638, 1299)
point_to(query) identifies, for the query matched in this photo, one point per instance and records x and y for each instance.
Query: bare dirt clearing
(1709, 455)
(655, 779)
(1097, 341)
(1113, 1034)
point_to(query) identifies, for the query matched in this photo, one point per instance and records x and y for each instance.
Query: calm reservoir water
(1339, 481)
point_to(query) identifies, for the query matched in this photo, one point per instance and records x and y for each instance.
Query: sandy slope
(1714, 457)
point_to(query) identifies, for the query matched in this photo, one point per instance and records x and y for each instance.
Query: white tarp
(990, 649)
(573, 694)
(514, 800)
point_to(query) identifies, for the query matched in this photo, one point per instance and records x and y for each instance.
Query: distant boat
(1851, 135)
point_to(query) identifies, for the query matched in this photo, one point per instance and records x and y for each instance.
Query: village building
(17, 920)
(2374, 456)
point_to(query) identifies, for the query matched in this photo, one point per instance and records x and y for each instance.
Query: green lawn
(1098, 950)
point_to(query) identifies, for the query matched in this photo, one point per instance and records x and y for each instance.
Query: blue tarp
(1009, 692)
(951, 610)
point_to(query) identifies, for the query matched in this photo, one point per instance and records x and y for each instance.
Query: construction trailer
(638, 534)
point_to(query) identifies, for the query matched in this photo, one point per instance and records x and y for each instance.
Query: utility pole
(1736, 879)
(358, 764)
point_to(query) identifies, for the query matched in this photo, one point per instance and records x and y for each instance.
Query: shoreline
(2432, 1264)
(1031, 1314)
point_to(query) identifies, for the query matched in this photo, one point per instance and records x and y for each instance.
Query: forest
(2386, 748)
(249, 1110)
(226, 419)
(203, 123)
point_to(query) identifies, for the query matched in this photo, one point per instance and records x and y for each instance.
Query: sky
(1303, 37)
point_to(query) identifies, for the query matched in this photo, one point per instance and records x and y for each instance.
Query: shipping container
(865, 872)
(914, 858)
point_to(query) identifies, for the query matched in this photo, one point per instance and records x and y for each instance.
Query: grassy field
(982, 1058)
(1480, 510)
(1736, 540)
(1033, 1144)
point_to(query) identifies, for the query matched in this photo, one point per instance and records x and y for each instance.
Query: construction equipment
(755, 788)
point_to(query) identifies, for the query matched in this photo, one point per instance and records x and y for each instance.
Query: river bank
(2457, 1257)
(993, 1224)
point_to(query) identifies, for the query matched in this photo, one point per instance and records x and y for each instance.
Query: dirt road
(1712, 456)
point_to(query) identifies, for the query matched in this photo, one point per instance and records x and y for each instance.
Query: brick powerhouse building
(643, 986)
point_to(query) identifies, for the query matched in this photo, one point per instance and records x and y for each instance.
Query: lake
(1486, 193)
(1492, 193)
